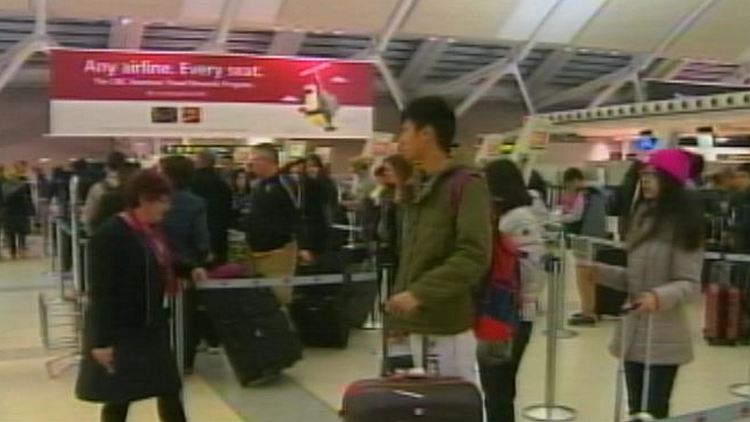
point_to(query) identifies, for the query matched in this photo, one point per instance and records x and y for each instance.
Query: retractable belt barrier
(309, 280)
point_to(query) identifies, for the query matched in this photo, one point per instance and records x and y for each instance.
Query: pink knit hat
(673, 162)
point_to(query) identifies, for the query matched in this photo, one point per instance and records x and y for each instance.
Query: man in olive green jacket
(446, 243)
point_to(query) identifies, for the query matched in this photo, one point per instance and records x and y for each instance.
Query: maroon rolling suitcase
(428, 399)
(714, 325)
(734, 317)
(403, 398)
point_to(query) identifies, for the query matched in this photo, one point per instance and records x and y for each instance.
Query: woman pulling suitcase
(665, 257)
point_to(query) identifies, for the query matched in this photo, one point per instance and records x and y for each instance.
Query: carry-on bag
(319, 314)
(424, 397)
(724, 322)
(256, 334)
(399, 396)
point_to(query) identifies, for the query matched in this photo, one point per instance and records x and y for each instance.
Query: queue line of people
(439, 237)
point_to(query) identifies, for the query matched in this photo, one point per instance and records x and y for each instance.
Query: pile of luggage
(261, 338)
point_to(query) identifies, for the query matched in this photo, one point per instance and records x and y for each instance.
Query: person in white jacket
(517, 219)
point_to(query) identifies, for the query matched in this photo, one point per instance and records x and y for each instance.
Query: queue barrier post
(550, 410)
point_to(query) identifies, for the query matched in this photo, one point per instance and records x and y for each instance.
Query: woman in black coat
(320, 199)
(127, 355)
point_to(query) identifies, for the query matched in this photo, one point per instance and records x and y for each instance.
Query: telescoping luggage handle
(643, 415)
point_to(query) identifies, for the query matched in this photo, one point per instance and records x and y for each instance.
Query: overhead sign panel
(101, 92)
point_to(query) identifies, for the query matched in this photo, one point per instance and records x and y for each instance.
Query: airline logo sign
(183, 94)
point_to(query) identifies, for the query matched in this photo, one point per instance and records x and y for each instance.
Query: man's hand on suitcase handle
(402, 303)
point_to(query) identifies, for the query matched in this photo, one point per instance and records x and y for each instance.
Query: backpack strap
(457, 181)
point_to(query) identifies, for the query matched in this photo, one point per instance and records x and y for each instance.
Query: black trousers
(660, 390)
(499, 381)
(169, 407)
(16, 231)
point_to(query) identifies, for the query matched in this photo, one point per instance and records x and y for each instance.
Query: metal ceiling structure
(560, 53)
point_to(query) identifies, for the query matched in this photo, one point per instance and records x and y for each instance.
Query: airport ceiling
(439, 42)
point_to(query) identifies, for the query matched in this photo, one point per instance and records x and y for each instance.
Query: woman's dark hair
(537, 183)
(572, 174)
(287, 168)
(146, 185)
(506, 185)
(235, 176)
(625, 196)
(179, 170)
(318, 162)
(403, 168)
(675, 206)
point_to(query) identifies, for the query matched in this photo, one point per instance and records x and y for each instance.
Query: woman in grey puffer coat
(665, 258)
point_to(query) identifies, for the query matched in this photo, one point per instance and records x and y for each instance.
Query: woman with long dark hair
(396, 176)
(664, 261)
(321, 197)
(126, 351)
(516, 219)
(241, 195)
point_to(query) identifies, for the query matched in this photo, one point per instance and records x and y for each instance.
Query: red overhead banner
(196, 93)
(137, 76)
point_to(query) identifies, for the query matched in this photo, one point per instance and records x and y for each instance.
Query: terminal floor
(311, 391)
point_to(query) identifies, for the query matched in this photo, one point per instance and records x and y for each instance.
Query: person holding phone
(664, 247)
(126, 351)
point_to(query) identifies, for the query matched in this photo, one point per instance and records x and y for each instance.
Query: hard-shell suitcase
(429, 399)
(257, 336)
(714, 323)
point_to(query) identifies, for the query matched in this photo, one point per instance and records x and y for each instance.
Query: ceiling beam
(427, 54)
(375, 52)
(547, 70)
(286, 43)
(399, 15)
(506, 65)
(126, 34)
(585, 89)
(218, 40)
(675, 33)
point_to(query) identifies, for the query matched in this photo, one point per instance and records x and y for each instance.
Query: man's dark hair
(179, 170)
(744, 168)
(116, 161)
(433, 112)
(269, 150)
(207, 158)
(572, 175)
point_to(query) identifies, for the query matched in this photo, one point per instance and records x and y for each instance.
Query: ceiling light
(614, 53)
(583, 50)
(338, 32)
(126, 21)
(450, 40)
(432, 39)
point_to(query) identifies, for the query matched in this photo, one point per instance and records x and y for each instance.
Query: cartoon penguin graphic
(319, 106)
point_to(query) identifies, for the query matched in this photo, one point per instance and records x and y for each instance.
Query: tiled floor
(312, 390)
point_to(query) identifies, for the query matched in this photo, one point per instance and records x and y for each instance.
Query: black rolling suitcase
(319, 313)
(257, 336)
(610, 301)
